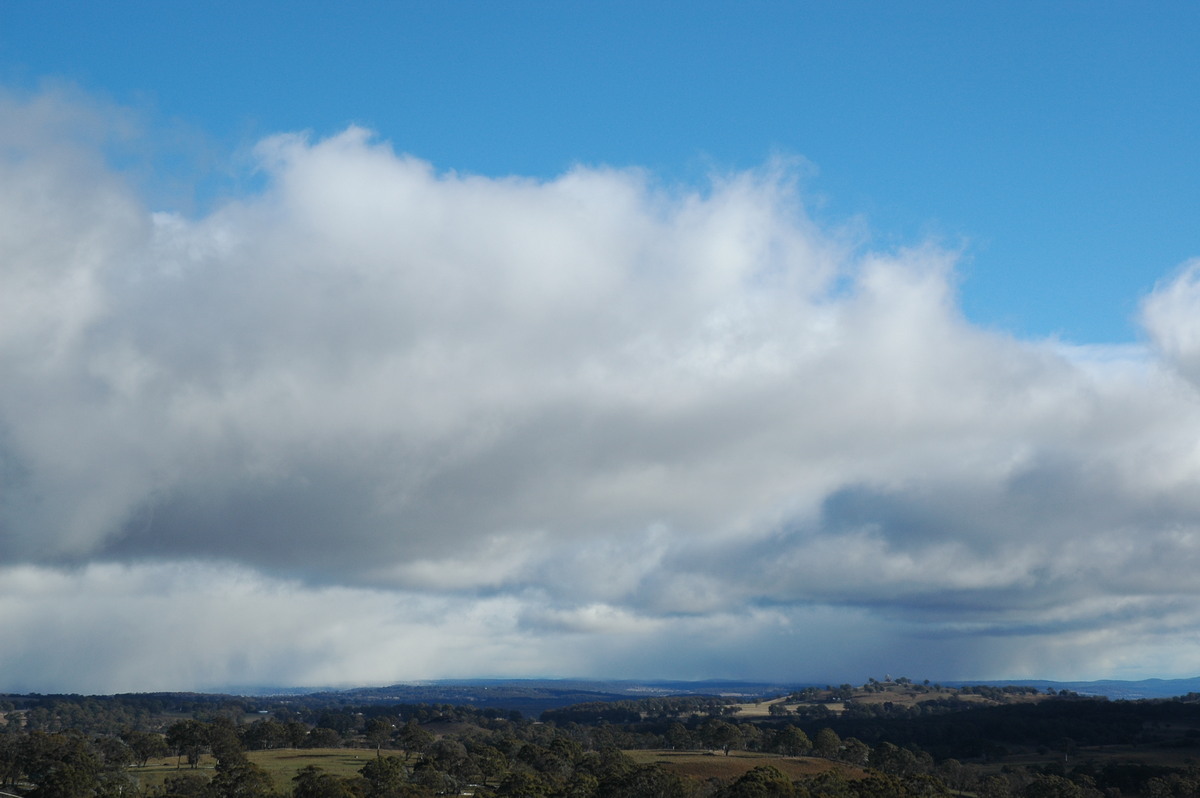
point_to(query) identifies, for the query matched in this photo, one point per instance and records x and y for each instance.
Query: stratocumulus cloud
(427, 424)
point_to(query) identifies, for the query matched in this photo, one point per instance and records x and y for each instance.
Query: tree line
(91, 747)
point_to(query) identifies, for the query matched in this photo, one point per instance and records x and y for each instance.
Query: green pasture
(282, 763)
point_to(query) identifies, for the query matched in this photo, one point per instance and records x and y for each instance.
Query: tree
(761, 782)
(645, 781)
(450, 756)
(224, 742)
(827, 743)
(924, 785)
(434, 779)
(952, 772)
(679, 738)
(60, 765)
(378, 732)
(523, 784)
(69, 780)
(854, 751)
(185, 785)
(792, 741)
(386, 777)
(113, 752)
(414, 739)
(145, 746)
(10, 759)
(721, 734)
(994, 787)
(188, 738)
(322, 737)
(880, 785)
(490, 762)
(313, 782)
(241, 778)
(830, 784)
(894, 760)
(265, 734)
(609, 764)
(296, 733)
(566, 749)
(581, 785)
(1050, 786)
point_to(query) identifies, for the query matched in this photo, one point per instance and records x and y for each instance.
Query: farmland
(883, 739)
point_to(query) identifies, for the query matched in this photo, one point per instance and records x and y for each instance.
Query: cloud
(687, 430)
(1168, 314)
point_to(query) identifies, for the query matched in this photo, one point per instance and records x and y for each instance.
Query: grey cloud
(643, 418)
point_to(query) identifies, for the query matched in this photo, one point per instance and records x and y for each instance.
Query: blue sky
(1054, 143)
(790, 341)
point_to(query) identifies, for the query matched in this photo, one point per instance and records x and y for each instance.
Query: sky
(391, 341)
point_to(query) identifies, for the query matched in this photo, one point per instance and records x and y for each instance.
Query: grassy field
(281, 763)
(760, 709)
(284, 763)
(904, 695)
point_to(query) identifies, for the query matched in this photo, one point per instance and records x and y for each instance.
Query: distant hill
(532, 696)
(1108, 688)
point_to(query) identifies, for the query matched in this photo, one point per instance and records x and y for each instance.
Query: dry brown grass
(762, 709)
(904, 695)
(911, 695)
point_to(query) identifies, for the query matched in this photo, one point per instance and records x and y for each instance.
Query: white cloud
(649, 419)
(1169, 315)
